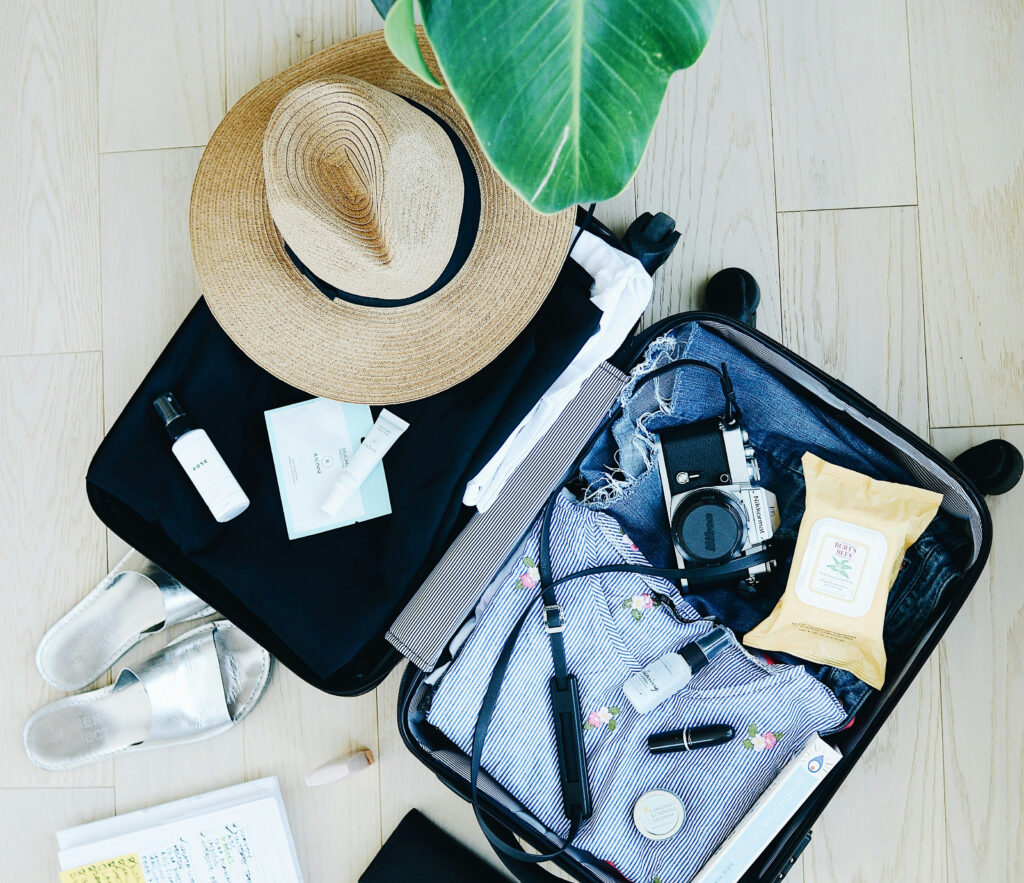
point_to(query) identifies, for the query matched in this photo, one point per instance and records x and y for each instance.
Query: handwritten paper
(123, 869)
(236, 835)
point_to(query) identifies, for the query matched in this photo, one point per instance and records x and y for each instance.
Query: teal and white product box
(776, 806)
(311, 442)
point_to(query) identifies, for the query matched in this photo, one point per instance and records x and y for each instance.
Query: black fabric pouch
(420, 852)
(320, 603)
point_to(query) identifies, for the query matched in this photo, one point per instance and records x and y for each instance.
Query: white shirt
(622, 289)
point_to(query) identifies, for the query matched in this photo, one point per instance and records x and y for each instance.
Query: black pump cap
(689, 738)
(700, 652)
(175, 419)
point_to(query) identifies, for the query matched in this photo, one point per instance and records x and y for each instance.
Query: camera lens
(709, 527)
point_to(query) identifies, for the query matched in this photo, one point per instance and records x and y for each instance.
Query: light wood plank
(888, 821)
(149, 284)
(264, 37)
(51, 545)
(851, 300)
(296, 729)
(841, 108)
(49, 266)
(161, 72)
(709, 166)
(968, 78)
(982, 686)
(406, 784)
(29, 818)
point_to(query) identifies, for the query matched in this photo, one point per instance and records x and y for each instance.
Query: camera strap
(732, 414)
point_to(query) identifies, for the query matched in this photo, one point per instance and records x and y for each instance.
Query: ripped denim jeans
(622, 479)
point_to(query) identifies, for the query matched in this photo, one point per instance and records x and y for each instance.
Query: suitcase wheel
(733, 293)
(994, 466)
(651, 238)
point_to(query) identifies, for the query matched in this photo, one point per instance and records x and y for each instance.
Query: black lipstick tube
(689, 738)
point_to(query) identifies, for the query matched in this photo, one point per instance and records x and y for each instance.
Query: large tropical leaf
(563, 94)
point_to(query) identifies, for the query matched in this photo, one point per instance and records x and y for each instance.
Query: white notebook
(235, 835)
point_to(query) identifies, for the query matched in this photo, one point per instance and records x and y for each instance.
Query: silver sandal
(196, 687)
(135, 599)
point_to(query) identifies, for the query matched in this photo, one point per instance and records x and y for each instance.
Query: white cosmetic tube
(378, 442)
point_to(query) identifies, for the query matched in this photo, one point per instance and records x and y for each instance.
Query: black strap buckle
(553, 622)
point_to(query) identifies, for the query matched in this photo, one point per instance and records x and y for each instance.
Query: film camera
(715, 511)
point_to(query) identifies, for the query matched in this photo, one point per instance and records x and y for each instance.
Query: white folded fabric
(622, 289)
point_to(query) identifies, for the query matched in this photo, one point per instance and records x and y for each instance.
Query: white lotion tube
(201, 461)
(378, 442)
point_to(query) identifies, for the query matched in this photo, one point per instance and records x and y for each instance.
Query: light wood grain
(29, 817)
(841, 108)
(264, 37)
(49, 266)
(51, 545)
(983, 683)
(968, 78)
(149, 284)
(161, 72)
(888, 820)
(851, 300)
(709, 166)
(296, 729)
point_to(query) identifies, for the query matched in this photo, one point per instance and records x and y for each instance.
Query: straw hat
(351, 237)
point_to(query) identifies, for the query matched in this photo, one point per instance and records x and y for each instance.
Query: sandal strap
(179, 602)
(185, 688)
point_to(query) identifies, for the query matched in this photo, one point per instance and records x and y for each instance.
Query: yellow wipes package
(853, 536)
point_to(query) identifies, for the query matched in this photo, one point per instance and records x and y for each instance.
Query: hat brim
(342, 350)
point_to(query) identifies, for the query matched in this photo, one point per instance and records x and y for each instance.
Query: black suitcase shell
(779, 857)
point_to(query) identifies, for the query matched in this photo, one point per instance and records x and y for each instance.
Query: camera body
(715, 511)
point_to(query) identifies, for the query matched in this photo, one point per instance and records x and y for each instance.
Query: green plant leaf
(752, 729)
(529, 562)
(382, 6)
(637, 615)
(614, 709)
(747, 743)
(563, 94)
(612, 724)
(400, 34)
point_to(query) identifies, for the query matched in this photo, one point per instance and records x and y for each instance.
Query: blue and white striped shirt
(613, 628)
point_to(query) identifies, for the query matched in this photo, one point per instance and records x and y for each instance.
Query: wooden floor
(864, 160)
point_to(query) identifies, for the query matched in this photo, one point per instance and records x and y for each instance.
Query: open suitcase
(479, 545)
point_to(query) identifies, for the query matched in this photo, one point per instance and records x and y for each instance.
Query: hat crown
(364, 187)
